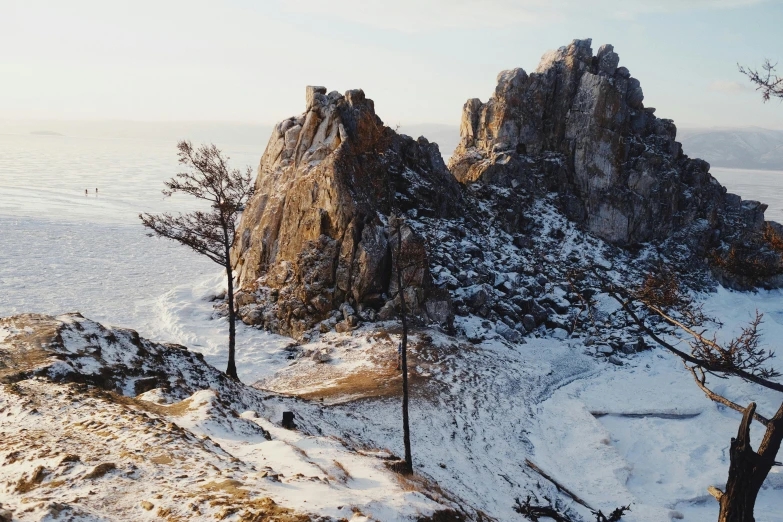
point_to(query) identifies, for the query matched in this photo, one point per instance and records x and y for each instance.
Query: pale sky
(249, 61)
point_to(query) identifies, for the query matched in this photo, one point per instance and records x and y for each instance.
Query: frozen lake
(64, 251)
(762, 185)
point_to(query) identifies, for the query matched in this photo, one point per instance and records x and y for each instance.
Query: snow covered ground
(646, 435)
(640, 433)
(195, 447)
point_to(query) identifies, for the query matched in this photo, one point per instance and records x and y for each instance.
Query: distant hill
(746, 148)
(741, 148)
(446, 136)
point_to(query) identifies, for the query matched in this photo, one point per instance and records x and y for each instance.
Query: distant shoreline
(746, 169)
(46, 133)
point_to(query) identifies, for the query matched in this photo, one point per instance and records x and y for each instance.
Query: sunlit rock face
(578, 126)
(315, 235)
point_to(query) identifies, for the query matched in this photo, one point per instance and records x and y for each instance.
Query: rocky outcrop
(314, 244)
(578, 126)
(315, 234)
(71, 349)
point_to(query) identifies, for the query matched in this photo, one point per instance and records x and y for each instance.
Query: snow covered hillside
(90, 417)
(99, 424)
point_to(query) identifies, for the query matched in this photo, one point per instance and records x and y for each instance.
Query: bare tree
(767, 81)
(743, 356)
(209, 232)
(401, 263)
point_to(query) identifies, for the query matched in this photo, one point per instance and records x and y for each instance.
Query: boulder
(342, 327)
(529, 322)
(604, 349)
(509, 334)
(322, 355)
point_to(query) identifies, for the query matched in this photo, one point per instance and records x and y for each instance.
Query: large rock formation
(315, 242)
(316, 234)
(577, 125)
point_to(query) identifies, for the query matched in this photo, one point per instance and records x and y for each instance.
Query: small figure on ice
(85, 192)
(96, 191)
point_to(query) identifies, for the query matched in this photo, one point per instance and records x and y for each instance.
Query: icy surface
(63, 251)
(639, 433)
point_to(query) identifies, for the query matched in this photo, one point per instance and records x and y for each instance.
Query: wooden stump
(288, 420)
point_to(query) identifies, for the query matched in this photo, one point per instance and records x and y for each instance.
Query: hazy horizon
(180, 62)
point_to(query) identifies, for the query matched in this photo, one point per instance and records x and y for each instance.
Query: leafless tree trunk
(748, 468)
(406, 431)
(742, 357)
(231, 367)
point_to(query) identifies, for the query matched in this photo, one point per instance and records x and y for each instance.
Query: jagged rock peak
(315, 235)
(532, 112)
(329, 120)
(577, 126)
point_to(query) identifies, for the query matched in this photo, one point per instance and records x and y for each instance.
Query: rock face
(315, 243)
(577, 126)
(316, 235)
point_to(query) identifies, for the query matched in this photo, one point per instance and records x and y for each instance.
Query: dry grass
(377, 383)
(420, 484)
(29, 349)
(228, 487)
(235, 500)
(381, 379)
(416, 482)
(266, 510)
(27, 485)
(345, 475)
(100, 470)
(161, 459)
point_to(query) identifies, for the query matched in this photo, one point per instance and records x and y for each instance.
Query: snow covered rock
(315, 235)
(70, 348)
(577, 127)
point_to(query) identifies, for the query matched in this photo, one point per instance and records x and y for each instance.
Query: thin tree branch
(701, 383)
(707, 365)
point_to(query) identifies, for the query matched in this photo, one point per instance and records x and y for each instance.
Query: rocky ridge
(577, 126)
(570, 146)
